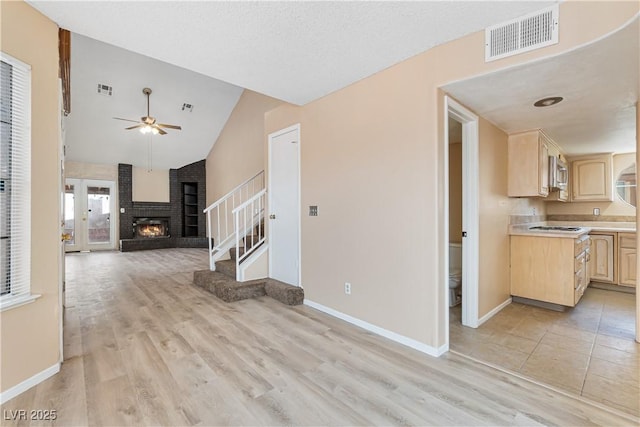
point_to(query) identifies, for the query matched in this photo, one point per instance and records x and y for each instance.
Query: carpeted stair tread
(285, 293)
(227, 267)
(228, 290)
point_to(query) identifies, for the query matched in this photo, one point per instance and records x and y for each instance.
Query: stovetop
(554, 228)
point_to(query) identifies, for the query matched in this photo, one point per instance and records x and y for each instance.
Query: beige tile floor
(588, 350)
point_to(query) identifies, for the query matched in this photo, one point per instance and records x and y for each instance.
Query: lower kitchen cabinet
(602, 263)
(549, 269)
(627, 259)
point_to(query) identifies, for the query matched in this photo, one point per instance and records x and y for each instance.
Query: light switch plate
(121, 210)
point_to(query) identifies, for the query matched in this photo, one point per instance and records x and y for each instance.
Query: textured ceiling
(599, 83)
(294, 51)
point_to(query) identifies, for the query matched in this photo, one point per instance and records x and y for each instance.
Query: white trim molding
(401, 339)
(495, 311)
(470, 212)
(25, 385)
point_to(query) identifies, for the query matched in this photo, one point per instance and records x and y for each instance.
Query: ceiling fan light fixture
(154, 131)
(548, 102)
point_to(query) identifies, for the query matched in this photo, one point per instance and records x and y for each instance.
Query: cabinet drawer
(578, 293)
(579, 279)
(580, 262)
(627, 240)
(581, 243)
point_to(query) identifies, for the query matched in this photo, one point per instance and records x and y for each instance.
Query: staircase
(236, 221)
(238, 248)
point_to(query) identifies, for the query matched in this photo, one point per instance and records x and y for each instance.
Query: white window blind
(15, 182)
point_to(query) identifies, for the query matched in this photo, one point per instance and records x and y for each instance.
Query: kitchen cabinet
(592, 178)
(549, 269)
(528, 167)
(627, 259)
(602, 263)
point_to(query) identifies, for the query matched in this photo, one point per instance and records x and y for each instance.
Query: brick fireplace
(177, 224)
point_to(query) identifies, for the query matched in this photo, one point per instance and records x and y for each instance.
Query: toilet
(455, 274)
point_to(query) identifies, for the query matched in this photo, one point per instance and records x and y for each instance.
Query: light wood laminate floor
(589, 350)
(144, 346)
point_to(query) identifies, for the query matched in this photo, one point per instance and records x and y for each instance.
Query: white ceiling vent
(529, 32)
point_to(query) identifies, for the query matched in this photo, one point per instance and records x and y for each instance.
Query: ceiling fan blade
(160, 131)
(127, 120)
(169, 126)
(136, 126)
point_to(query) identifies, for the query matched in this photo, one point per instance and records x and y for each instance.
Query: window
(15, 182)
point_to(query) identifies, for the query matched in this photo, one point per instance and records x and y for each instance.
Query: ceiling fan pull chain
(149, 154)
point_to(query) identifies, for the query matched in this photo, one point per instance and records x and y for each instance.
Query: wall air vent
(529, 32)
(105, 90)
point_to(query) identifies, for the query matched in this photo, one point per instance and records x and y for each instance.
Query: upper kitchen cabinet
(592, 178)
(528, 164)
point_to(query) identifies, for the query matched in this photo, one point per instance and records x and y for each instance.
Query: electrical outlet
(596, 211)
(347, 288)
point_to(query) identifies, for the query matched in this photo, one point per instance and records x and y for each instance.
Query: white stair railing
(249, 228)
(220, 217)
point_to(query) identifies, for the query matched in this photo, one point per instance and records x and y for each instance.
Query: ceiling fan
(148, 124)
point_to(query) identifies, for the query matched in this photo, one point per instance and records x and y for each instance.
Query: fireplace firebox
(150, 228)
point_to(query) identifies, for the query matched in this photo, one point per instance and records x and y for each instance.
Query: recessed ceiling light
(548, 102)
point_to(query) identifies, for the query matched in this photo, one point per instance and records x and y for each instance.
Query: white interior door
(284, 205)
(89, 205)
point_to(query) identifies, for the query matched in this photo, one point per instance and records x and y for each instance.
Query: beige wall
(617, 207)
(83, 170)
(455, 192)
(238, 153)
(150, 185)
(30, 333)
(372, 159)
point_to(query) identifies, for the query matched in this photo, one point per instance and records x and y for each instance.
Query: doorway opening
(461, 251)
(88, 207)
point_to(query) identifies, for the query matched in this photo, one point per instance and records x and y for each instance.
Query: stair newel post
(236, 221)
(218, 222)
(212, 264)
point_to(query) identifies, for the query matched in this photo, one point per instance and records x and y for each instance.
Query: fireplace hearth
(150, 228)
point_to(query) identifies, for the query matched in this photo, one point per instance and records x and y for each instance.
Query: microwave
(558, 174)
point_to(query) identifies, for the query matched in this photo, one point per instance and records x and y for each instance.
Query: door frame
(271, 137)
(470, 212)
(82, 184)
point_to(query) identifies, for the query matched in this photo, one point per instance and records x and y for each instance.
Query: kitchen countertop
(524, 230)
(585, 228)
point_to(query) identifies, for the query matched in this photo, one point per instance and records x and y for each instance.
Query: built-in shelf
(190, 209)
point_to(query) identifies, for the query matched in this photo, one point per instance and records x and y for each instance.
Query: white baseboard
(401, 339)
(493, 312)
(28, 383)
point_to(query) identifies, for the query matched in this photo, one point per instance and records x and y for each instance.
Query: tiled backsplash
(599, 218)
(526, 219)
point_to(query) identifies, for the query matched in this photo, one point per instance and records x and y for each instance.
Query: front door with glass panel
(88, 205)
